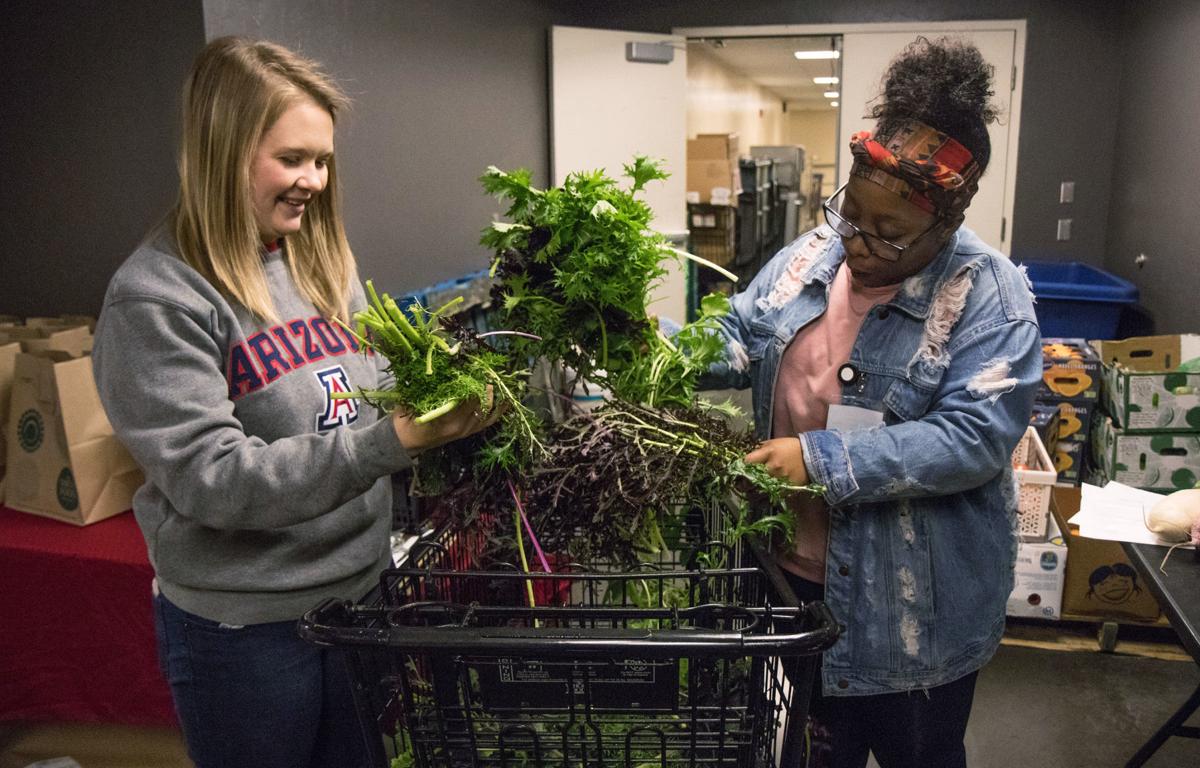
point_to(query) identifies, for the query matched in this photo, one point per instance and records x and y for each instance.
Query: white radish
(1176, 518)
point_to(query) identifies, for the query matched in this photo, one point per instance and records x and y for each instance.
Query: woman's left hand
(783, 457)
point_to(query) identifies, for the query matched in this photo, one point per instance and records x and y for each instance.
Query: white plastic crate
(1035, 480)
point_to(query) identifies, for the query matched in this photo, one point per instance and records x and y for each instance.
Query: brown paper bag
(62, 321)
(8, 360)
(64, 460)
(76, 339)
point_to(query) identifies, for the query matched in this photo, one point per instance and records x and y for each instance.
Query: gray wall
(1067, 117)
(1157, 168)
(442, 89)
(89, 97)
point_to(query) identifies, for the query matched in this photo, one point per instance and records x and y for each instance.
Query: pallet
(1093, 633)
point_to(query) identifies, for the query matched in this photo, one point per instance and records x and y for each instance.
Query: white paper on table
(1116, 512)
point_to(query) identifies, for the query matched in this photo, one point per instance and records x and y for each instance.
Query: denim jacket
(922, 538)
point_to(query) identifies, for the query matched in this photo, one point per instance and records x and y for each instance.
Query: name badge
(850, 417)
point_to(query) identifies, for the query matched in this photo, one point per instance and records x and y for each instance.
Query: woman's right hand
(465, 420)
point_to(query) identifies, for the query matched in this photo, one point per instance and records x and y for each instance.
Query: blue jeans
(257, 696)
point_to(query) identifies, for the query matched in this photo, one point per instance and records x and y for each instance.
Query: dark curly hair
(945, 84)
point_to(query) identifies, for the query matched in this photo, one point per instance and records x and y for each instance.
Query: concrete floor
(1054, 709)
(1034, 708)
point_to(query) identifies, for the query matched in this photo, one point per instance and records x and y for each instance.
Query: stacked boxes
(712, 161)
(1149, 435)
(1045, 420)
(1071, 374)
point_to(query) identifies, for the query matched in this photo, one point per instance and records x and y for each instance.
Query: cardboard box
(65, 462)
(1039, 578)
(1142, 390)
(1070, 461)
(74, 339)
(1071, 370)
(1162, 461)
(703, 175)
(1100, 580)
(713, 146)
(1075, 420)
(1045, 419)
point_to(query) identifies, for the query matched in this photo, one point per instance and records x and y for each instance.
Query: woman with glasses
(894, 359)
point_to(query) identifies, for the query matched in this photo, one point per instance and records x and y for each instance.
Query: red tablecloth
(76, 623)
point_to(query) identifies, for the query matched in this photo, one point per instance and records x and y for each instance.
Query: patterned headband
(921, 164)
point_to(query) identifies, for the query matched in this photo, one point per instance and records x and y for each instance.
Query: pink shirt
(806, 386)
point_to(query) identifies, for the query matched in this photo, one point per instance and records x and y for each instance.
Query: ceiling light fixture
(825, 80)
(831, 94)
(818, 54)
(833, 103)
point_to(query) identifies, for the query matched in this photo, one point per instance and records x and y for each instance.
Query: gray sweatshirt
(263, 495)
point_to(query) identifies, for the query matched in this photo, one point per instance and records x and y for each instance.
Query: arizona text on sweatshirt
(264, 494)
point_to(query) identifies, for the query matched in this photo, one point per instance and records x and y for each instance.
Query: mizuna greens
(575, 266)
(436, 365)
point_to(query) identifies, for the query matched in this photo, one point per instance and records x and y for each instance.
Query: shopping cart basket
(636, 669)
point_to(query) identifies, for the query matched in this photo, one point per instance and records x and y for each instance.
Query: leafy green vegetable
(437, 365)
(575, 266)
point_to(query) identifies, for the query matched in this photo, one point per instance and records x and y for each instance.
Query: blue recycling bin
(1075, 300)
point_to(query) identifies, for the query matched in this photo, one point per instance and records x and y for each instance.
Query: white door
(604, 110)
(865, 57)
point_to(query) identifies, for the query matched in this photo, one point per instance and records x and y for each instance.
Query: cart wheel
(1108, 636)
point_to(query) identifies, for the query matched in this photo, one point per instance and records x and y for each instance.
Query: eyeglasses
(883, 249)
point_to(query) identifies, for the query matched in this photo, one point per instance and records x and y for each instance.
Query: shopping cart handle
(824, 633)
(327, 623)
(331, 623)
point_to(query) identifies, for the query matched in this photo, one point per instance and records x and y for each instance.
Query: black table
(1178, 594)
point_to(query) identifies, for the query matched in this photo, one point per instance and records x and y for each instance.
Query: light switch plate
(1066, 192)
(1064, 229)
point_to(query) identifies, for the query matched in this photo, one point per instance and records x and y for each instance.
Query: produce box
(1070, 459)
(1075, 420)
(65, 462)
(1041, 572)
(1142, 390)
(1100, 581)
(713, 146)
(1045, 419)
(1163, 462)
(1071, 370)
(703, 175)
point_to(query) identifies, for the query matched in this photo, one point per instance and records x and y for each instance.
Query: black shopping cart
(662, 668)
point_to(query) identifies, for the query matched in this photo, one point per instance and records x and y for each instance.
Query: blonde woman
(216, 358)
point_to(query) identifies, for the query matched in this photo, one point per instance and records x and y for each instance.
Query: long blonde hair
(236, 91)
